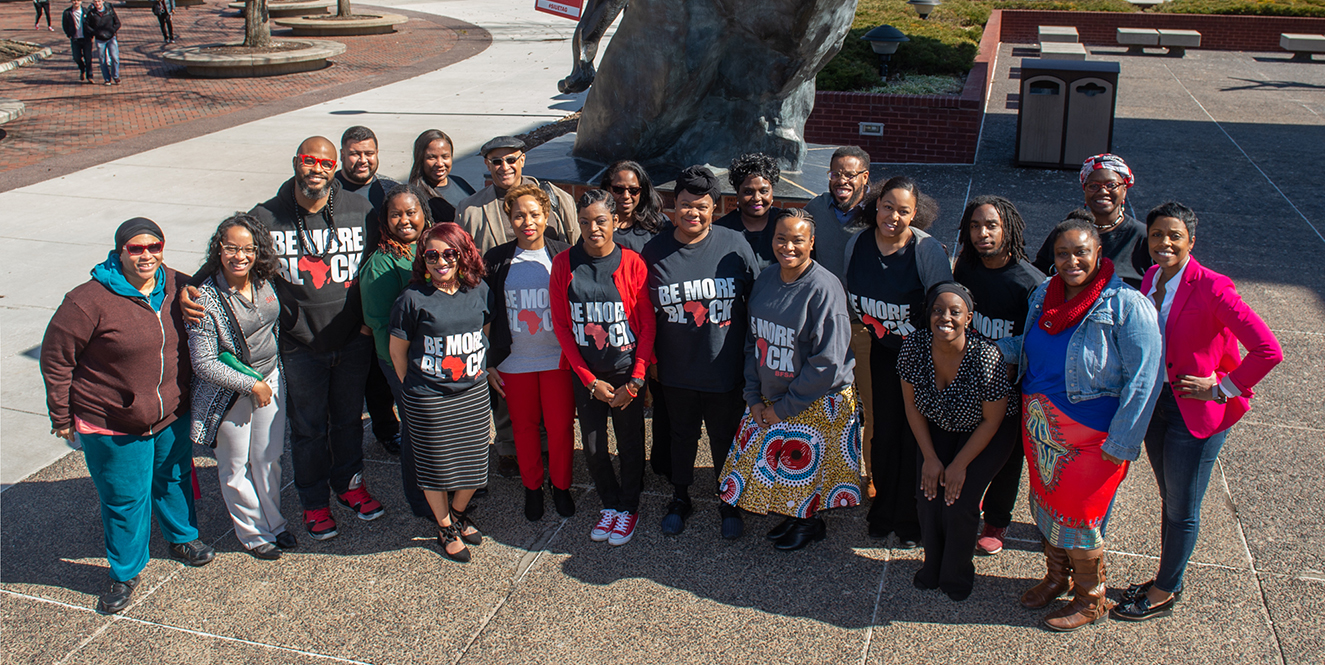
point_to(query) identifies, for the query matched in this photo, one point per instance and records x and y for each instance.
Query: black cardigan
(498, 264)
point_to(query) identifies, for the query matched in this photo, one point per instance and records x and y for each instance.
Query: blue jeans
(138, 477)
(109, 55)
(1182, 464)
(324, 393)
(409, 478)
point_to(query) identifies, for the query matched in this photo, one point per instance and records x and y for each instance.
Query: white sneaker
(603, 529)
(624, 529)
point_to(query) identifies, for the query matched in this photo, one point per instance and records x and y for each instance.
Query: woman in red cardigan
(605, 324)
(1207, 385)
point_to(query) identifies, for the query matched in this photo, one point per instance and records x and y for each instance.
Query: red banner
(564, 8)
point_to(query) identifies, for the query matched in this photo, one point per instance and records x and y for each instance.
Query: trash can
(1066, 111)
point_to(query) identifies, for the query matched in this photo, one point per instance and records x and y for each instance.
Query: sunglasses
(137, 250)
(432, 256)
(634, 191)
(1111, 186)
(312, 160)
(509, 160)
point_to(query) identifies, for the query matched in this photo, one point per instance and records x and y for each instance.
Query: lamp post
(884, 40)
(924, 7)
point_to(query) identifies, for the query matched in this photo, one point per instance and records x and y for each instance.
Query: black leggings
(892, 452)
(719, 413)
(1001, 497)
(43, 7)
(618, 492)
(167, 25)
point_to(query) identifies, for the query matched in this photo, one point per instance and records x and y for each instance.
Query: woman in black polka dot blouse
(956, 390)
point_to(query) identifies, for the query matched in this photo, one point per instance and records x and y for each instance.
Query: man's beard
(993, 253)
(314, 193)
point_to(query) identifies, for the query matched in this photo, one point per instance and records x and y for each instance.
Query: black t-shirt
(1000, 295)
(375, 191)
(447, 347)
(1125, 245)
(633, 238)
(598, 315)
(760, 241)
(698, 292)
(886, 292)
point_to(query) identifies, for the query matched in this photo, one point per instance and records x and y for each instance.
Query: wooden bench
(1178, 41)
(1137, 39)
(1058, 33)
(1062, 51)
(1301, 45)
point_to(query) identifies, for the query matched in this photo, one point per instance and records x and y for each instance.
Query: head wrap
(1107, 161)
(948, 287)
(698, 180)
(134, 227)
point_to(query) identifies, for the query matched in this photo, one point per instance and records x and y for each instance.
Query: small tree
(343, 8)
(257, 24)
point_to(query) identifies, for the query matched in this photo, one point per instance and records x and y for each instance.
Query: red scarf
(1058, 315)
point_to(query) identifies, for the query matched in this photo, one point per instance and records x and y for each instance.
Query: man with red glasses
(481, 214)
(318, 233)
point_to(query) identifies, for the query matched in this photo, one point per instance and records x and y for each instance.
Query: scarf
(110, 273)
(1058, 315)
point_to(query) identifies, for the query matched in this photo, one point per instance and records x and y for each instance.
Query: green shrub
(1310, 8)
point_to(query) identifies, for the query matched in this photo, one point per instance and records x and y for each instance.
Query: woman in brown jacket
(115, 360)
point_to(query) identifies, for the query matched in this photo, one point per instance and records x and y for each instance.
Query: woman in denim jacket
(1090, 356)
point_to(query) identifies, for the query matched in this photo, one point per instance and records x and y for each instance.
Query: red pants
(542, 397)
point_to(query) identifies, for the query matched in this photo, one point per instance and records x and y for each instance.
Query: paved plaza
(1233, 135)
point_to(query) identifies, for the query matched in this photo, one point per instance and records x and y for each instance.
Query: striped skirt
(450, 436)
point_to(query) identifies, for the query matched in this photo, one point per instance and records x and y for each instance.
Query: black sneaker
(286, 540)
(118, 597)
(195, 553)
(674, 522)
(266, 551)
(391, 445)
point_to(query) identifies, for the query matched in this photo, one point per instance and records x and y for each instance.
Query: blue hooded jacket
(110, 274)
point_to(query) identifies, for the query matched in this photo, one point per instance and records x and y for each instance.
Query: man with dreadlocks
(992, 264)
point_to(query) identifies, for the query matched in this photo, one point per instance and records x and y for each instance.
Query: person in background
(602, 317)
(358, 175)
(524, 365)
(638, 205)
(482, 214)
(753, 176)
(889, 268)
(439, 348)
(431, 175)
(1090, 357)
(115, 363)
(992, 265)
(80, 43)
(102, 23)
(239, 400)
(1207, 385)
(42, 6)
(837, 217)
(383, 277)
(1105, 181)
(699, 278)
(956, 389)
(165, 14)
(797, 452)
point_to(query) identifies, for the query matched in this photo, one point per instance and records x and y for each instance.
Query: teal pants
(137, 477)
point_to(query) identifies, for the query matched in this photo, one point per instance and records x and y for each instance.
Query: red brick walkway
(70, 125)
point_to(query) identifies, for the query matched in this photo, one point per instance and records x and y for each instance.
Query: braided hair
(1014, 229)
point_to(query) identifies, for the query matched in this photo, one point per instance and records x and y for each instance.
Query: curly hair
(529, 189)
(1014, 228)
(750, 164)
(469, 265)
(265, 264)
(648, 212)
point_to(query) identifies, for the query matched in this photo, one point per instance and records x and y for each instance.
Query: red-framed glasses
(153, 248)
(314, 160)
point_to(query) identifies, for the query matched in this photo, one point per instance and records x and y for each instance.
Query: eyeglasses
(509, 160)
(313, 160)
(137, 250)
(432, 256)
(1110, 186)
(845, 175)
(634, 191)
(231, 250)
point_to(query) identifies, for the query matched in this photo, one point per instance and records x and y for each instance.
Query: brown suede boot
(1090, 604)
(1057, 581)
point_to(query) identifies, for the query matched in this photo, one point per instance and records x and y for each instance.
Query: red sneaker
(624, 529)
(991, 541)
(320, 524)
(358, 499)
(603, 530)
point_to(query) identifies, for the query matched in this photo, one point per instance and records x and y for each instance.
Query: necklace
(306, 242)
(1111, 226)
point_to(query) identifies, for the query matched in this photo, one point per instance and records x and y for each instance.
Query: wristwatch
(637, 384)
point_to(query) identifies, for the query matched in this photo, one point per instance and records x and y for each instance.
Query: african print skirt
(802, 465)
(1072, 485)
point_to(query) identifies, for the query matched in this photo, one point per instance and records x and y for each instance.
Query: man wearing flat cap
(481, 214)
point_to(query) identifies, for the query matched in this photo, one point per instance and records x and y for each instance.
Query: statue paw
(578, 81)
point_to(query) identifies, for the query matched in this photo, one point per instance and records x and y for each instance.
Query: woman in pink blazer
(1207, 387)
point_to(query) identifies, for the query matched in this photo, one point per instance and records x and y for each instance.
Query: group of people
(97, 27)
(813, 345)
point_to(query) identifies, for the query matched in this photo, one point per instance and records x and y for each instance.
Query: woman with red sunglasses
(438, 347)
(115, 361)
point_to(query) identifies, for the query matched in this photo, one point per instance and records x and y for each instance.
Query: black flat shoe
(563, 502)
(907, 543)
(286, 540)
(1138, 590)
(674, 522)
(923, 581)
(732, 523)
(266, 552)
(391, 445)
(533, 504)
(118, 597)
(1140, 609)
(464, 520)
(194, 553)
(802, 533)
(447, 535)
(781, 529)
(879, 532)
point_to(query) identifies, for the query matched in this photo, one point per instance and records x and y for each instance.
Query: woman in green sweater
(382, 277)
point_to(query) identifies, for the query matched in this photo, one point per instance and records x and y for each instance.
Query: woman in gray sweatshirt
(798, 448)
